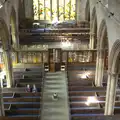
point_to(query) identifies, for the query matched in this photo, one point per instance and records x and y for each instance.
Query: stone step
(54, 82)
(54, 73)
(54, 117)
(58, 87)
(54, 78)
(57, 106)
(52, 91)
(55, 109)
(50, 99)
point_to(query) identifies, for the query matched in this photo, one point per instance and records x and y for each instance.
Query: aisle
(55, 109)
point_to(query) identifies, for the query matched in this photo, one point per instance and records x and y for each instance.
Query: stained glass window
(54, 9)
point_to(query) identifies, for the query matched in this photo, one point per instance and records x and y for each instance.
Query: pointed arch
(87, 11)
(13, 26)
(114, 57)
(102, 54)
(102, 35)
(4, 34)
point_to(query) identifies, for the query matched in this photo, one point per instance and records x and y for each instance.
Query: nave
(59, 59)
(83, 99)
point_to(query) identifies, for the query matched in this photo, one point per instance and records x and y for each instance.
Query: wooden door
(54, 59)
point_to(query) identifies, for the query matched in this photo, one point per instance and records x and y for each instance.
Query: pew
(18, 102)
(21, 103)
(19, 118)
(80, 90)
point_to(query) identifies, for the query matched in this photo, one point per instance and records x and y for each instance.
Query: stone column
(93, 32)
(92, 37)
(2, 112)
(28, 8)
(100, 69)
(78, 10)
(15, 53)
(97, 67)
(111, 93)
(107, 94)
(16, 56)
(8, 67)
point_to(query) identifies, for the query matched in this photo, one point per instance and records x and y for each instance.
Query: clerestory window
(54, 10)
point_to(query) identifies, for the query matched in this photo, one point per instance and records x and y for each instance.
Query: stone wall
(113, 28)
(6, 12)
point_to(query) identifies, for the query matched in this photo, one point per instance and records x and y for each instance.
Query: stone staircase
(55, 109)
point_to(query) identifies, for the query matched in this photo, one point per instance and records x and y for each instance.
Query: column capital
(92, 34)
(101, 50)
(112, 73)
(8, 48)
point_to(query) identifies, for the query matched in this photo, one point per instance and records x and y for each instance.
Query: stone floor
(55, 109)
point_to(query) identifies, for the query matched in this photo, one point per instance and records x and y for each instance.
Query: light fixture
(2, 74)
(91, 100)
(2, 2)
(85, 75)
(106, 5)
(66, 44)
(1, 6)
(111, 14)
(55, 21)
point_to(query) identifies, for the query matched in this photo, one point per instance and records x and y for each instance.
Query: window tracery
(54, 9)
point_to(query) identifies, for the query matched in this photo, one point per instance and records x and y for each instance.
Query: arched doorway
(102, 55)
(113, 76)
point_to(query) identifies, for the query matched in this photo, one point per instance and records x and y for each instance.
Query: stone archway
(113, 74)
(4, 36)
(87, 11)
(102, 54)
(13, 27)
(14, 36)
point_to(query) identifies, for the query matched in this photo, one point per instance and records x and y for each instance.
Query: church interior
(59, 59)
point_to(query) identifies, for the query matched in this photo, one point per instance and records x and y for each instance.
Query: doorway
(55, 59)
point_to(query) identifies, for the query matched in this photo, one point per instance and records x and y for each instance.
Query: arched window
(54, 10)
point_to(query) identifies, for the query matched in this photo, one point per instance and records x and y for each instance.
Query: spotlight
(2, 2)
(91, 100)
(85, 75)
(2, 74)
(106, 5)
(1, 6)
